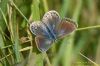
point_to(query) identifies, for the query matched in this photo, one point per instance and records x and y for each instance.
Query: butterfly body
(51, 28)
(51, 33)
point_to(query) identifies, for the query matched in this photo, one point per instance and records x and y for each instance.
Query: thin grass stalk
(95, 64)
(35, 10)
(97, 59)
(45, 5)
(64, 8)
(88, 28)
(63, 12)
(14, 33)
(18, 10)
(3, 50)
(46, 58)
(69, 49)
(4, 17)
(2, 44)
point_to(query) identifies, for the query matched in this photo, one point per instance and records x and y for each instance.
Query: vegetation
(17, 45)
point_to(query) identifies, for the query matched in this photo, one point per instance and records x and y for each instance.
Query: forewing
(65, 27)
(51, 19)
(43, 44)
(39, 29)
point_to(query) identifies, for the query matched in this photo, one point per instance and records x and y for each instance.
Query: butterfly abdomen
(51, 33)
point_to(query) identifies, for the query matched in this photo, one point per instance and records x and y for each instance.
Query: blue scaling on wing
(39, 29)
(43, 38)
(51, 19)
(50, 29)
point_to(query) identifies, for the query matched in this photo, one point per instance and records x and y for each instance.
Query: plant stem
(89, 59)
(46, 58)
(19, 11)
(90, 27)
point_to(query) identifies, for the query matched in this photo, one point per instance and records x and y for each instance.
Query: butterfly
(50, 29)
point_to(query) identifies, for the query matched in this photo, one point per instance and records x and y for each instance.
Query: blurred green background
(17, 45)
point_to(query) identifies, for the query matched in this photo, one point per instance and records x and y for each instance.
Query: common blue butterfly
(51, 28)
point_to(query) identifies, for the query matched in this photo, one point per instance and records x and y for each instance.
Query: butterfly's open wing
(42, 38)
(43, 43)
(39, 29)
(65, 27)
(51, 19)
